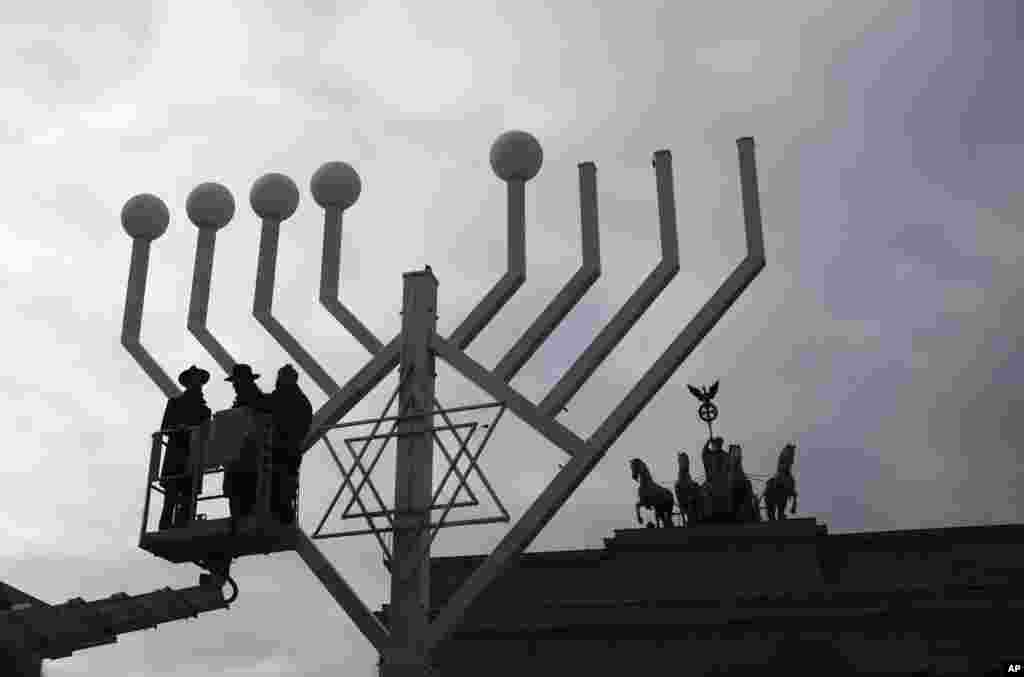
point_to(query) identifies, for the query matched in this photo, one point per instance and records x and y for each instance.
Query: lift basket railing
(214, 445)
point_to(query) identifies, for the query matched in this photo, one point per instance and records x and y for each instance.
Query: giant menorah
(410, 636)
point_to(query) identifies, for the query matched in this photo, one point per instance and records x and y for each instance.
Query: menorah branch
(513, 278)
(199, 300)
(514, 543)
(552, 430)
(261, 309)
(357, 387)
(343, 593)
(705, 319)
(131, 328)
(329, 283)
(751, 199)
(628, 315)
(673, 357)
(570, 294)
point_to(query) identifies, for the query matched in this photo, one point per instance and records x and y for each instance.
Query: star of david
(464, 449)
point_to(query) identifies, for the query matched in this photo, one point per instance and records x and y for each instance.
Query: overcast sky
(882, 337)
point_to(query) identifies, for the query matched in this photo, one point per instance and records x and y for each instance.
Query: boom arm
(58, 630)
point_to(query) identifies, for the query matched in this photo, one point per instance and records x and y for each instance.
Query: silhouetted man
(240, 476)
(183, 411)
(293, 415)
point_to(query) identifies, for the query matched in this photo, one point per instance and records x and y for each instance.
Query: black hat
(193, 375)
(287, 374)
(242, 372)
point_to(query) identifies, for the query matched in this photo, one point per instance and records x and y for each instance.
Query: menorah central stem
(410, 568)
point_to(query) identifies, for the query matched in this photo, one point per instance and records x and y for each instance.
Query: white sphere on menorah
(516, 155)
(145, 217)
(336, 184)
(274, 196)
(210, 205)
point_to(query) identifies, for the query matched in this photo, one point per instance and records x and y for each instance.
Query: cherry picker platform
(35, 630)
(228, 437)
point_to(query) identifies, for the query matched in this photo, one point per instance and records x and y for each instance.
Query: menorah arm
(514, 543)
(570, 294)
(342, 592)
(329, 285)
(261, 309)
(638, 303)
(708, 316)
(199, 300)
(552, 430)
(513, 278)
(132, 325)
(357, 387)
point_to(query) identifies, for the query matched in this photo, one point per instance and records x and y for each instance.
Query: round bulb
(145, 216)
(274, 196)
(336, 184)
(210, 205)
(516, 155)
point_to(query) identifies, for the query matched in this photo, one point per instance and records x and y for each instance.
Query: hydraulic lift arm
(55, 631)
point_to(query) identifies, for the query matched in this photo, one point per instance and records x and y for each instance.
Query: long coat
(293, 414)
(251, 397)
(187, 409)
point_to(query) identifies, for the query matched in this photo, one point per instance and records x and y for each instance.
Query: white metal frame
(584, 454)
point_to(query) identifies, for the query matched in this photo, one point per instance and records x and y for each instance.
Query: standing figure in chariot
(718, 498)
(182, 413)
(293, 414)
(240, 476)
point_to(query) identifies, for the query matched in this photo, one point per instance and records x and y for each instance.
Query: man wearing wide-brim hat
(241, 481)
(183, 413)
(247, 393)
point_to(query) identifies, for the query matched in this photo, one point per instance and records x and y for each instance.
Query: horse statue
(651, 495)
(781, 487)
(688, 493)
